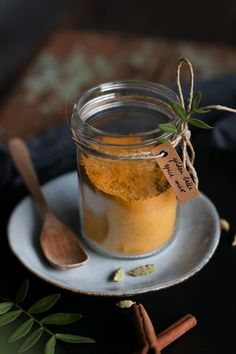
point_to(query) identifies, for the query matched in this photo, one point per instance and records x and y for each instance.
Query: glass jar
(127, 207)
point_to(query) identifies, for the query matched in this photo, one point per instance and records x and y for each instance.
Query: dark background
(24, 24)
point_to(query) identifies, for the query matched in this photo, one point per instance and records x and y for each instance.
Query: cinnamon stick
(175, 331)
(148, 341)
(146, 336)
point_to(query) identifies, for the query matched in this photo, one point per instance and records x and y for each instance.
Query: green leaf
(44, 304)
(22, 291)
(61, 318)
(70, 338)
(50, 346)
(9, 317)
(31, 340)
(179, 110)
(201, 110)
(170, 128)
(21, 331)
(196, 100)
(162, 140)
(199, 123)
(5, 307)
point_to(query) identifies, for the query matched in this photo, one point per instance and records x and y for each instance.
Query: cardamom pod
(119, 275)
(234, 241)
(142, 270)
(224, 225)
(125, 304)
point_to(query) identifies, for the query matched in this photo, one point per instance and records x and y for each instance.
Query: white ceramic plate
(195, 242)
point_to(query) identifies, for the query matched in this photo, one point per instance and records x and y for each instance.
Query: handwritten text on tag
(175, 172)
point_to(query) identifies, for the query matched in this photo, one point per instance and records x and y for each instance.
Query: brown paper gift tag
(175, 172)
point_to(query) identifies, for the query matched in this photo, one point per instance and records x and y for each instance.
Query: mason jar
(127, 207)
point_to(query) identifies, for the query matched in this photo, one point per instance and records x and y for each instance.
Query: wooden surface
(72, 61)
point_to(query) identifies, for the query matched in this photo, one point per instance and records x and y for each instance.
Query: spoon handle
(23, 163)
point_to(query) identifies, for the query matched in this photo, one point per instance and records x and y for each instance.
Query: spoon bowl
(58, 242)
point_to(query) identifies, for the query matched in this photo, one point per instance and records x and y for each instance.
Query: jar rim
(92, 96)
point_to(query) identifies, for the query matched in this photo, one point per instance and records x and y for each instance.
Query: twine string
(190, 67)
(188, 153)
(221, 108)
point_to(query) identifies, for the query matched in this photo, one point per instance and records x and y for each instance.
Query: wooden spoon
(59, 244)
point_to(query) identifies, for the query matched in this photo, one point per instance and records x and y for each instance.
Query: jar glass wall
(127, 207)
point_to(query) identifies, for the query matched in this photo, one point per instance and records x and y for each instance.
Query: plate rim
(116, 293)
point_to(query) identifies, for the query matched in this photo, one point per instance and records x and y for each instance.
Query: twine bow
(188, 153)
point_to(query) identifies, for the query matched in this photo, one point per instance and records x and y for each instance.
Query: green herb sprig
(12, 310)
(186, 116)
